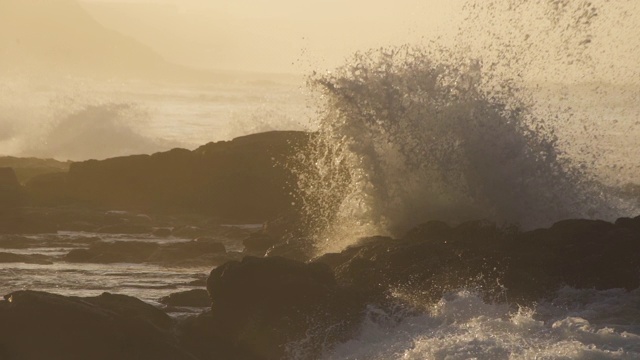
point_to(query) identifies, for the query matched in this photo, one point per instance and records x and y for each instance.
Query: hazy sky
(273, 35)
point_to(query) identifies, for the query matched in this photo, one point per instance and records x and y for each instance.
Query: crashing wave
(408, 134)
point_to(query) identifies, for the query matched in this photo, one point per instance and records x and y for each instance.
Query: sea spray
(471, 130)
(409, 134)
(578, 61)
(575, 324)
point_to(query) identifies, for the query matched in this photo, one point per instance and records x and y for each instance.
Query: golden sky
(273, 35)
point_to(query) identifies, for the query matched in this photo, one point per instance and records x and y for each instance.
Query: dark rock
(261, 304)
(193, 298)
(258, 243)
(431, 230)
(132, 308)
(234, 180)
(37, 325)
(629, 223)
(201, 336)
(10, 190)
(289, 250)
(434, 258)
(162, 232)
(49, 190)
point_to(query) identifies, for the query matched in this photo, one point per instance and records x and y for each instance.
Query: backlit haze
(95, 78)
(272, 36)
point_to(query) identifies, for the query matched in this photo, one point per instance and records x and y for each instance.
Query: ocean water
(576, 324)
(145, 281)
(79, 119)
(531, 117)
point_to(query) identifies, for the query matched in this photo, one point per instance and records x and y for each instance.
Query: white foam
(577, 324)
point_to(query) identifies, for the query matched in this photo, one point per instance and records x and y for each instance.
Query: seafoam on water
(576, 324)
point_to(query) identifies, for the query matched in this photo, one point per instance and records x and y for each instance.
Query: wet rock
(261, 304)
(37, 325)
(192, 298)
(202, 337)
(527, 266)
(258, 243)
(629, 223)
(289, 250)
(431, 230)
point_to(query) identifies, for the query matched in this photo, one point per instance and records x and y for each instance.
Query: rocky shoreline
(272, 299)
(262, 305)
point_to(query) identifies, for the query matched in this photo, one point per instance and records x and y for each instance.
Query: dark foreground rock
(268, 306)
(275, 308)
(38, 325)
